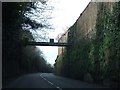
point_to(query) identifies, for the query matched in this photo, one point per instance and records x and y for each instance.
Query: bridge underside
(46, 44)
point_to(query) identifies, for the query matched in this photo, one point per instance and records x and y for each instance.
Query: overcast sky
(65, 13)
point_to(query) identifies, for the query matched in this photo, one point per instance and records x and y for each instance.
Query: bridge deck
(47, 44)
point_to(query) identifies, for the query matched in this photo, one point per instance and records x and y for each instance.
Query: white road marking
(59, 88)
(50, 82)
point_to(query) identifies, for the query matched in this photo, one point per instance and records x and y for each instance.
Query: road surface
(49, 80)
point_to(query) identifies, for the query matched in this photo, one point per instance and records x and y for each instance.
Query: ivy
(99, 56)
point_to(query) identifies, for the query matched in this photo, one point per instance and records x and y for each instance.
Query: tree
(16, 32)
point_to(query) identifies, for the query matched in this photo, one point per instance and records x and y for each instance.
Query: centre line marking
(50, 82)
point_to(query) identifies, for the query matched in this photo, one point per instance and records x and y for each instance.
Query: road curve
(49, 80)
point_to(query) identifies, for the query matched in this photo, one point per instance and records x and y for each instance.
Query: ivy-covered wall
(94, 56)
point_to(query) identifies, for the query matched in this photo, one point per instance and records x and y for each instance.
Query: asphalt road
(49, 80)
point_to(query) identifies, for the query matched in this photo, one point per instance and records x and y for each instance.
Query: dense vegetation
(17, 57)
(97, 58)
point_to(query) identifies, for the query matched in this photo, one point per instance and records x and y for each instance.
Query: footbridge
(51, 43)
